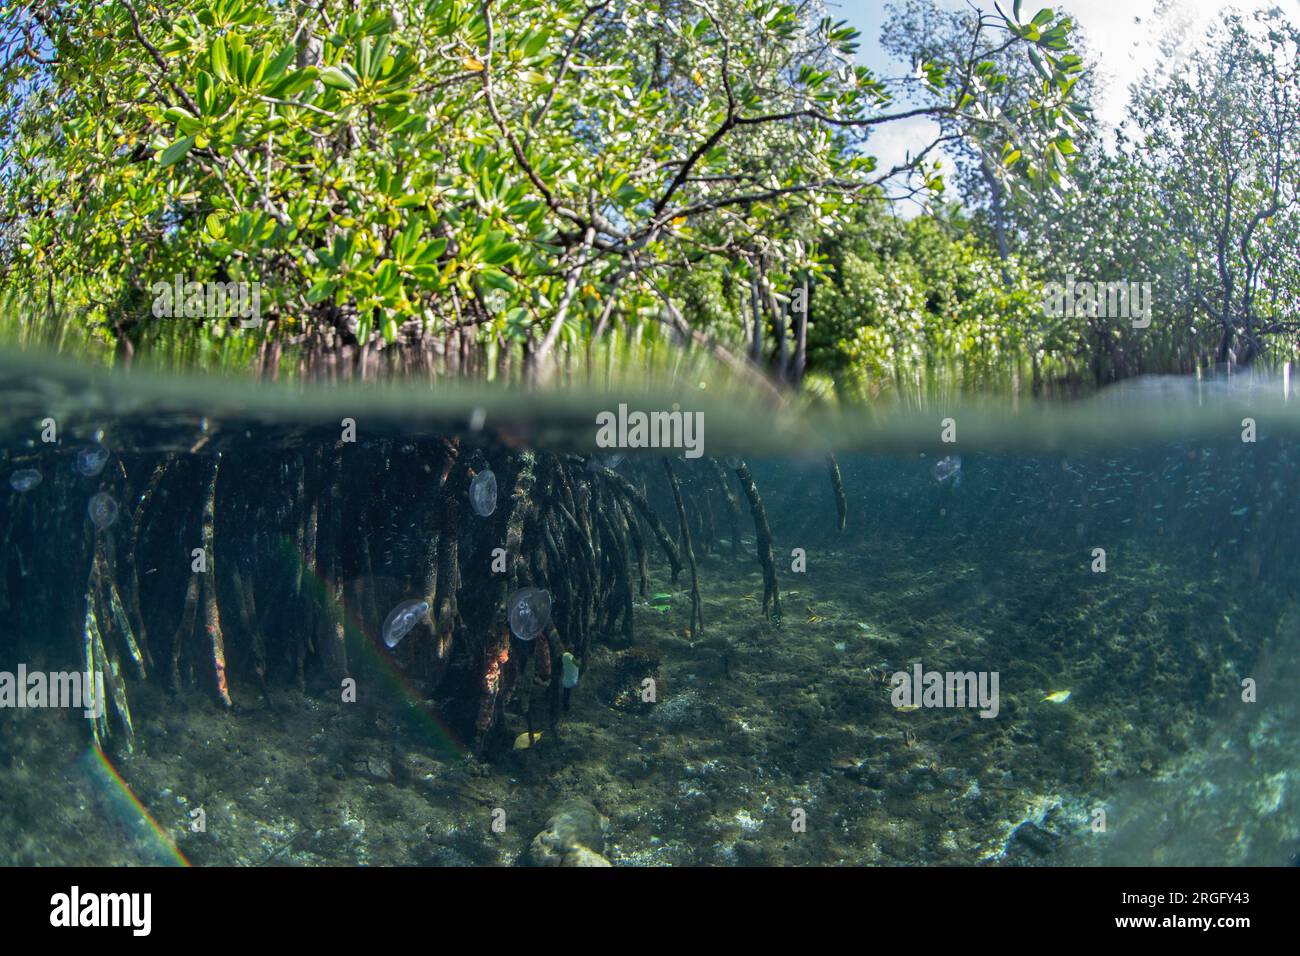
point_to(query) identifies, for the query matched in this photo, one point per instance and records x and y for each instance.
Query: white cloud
(1123, 37)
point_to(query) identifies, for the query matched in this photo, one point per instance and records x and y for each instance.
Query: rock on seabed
(573, 836)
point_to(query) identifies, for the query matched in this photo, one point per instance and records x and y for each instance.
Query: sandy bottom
(764, 745)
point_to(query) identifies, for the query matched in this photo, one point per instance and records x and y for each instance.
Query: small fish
(660, 596)
(569, 675)
(661, 608)
(526, 740)
(908, 708)
(1240, 512)
(1057, 697)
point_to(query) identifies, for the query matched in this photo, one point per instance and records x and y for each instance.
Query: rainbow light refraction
(129, 807)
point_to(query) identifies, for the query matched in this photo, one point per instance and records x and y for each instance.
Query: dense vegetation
(499, 187)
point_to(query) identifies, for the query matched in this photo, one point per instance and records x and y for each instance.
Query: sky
(1121, 34)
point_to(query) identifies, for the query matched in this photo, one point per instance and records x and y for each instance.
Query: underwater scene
(731, 436)
(471, 633)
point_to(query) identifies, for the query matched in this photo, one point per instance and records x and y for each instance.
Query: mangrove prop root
(582, 533)
(185, 628)
(626, 489)
(570, 607)
(91, 667)
(733, 506)
(443, 580)
(333, 629)
(590, 578)
(837, 485)
(118, 613)
(497, 676)
(496, 658)
(622, 572)
(248, 619)
(638, 545)
(703, 509)
(99, 660)
(763, 543)
(555, 699)
(211, 616)
(697, 615)
(137, 526)
(300, 532)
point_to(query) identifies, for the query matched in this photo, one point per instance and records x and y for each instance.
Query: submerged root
(837, 486)
(319, 545)
(101, 663)
(211, 616)
(762, 543)
(625, 488)
(697, 615)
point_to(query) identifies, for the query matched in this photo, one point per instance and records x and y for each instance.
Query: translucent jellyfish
(948, 469)
(401, 619)
(102, 510)
(483, 493)
(25, 479)
(91, 460)
(530, 612)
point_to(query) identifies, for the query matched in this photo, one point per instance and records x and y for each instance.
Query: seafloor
(752, 723)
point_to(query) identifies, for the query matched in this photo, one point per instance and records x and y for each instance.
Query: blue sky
(1122, 34)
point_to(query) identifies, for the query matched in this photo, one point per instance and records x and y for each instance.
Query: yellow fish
(1058, 696)
(522, 742)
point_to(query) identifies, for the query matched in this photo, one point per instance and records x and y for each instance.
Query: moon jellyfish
(102, 510)
(25, 479)
(530, 612)
(91, 460)
(609, 461)
(948, 468)
(401, 619)
(483, 493)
